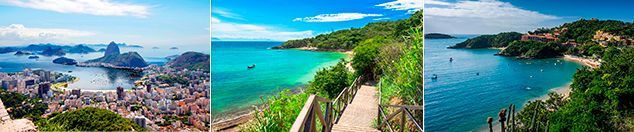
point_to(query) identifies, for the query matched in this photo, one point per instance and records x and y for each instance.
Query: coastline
(231, 121)
(563, 90)
(584, 61)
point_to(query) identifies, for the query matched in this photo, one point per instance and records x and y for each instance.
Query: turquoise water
(460, 100)
(94, 78)
(235, 87)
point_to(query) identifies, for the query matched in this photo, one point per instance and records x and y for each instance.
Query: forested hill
(488, 41)
(583, 30)
(347, 39)
(589, 38)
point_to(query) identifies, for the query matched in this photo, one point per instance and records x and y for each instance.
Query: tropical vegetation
(601, 100)
(532, 50)
(389, 52)
(489, 41)
(22, 106)
(87, 119)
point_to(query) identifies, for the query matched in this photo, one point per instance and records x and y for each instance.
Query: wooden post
(490, 121)
(327, 119)
(513, 119)
(502, 116)
(308, 125)
(508, 117)
(402, 119)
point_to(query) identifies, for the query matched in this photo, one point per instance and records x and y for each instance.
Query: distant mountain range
(119, 44)
(49, 49)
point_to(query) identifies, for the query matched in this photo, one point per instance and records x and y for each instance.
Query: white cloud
(237, 31)
(482, 17)
(410, 6)
(19, 34)
(336, 17)
(436, 2)
(382, 18)
(225, 13)
(92, 7)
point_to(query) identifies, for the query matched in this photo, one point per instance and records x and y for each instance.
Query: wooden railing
(406, 114)
(404, 110)
(312, 111)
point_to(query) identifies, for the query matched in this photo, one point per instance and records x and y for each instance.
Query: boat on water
(34, 57)
(251, 66)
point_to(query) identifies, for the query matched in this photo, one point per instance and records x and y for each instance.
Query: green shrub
(89, 119)
(366, 56)
(330, 82)
(280, 114)
(22, 106)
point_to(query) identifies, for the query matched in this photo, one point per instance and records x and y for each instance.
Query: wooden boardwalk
(359, 115)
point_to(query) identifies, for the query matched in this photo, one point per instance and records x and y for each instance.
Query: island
(19, 53)
(64, 61)
(438, 36)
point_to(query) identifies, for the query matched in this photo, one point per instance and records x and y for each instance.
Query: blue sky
(292, 19)
(494, 16)
(142, 22)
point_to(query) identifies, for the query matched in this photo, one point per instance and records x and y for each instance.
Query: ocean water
(461, 100)
(94, 78)
(236, 87)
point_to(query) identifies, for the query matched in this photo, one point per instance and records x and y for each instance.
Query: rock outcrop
(112, 49)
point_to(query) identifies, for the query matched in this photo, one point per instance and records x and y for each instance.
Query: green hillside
(347, 39)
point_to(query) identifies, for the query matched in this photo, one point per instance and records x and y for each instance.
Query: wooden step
(345, 128)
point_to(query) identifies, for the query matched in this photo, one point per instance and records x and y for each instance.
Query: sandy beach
(562, 90)
(583, 61)
(232, 124)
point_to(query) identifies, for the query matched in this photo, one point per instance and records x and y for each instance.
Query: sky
(494, 16)
(280, 20)
(139, 22)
